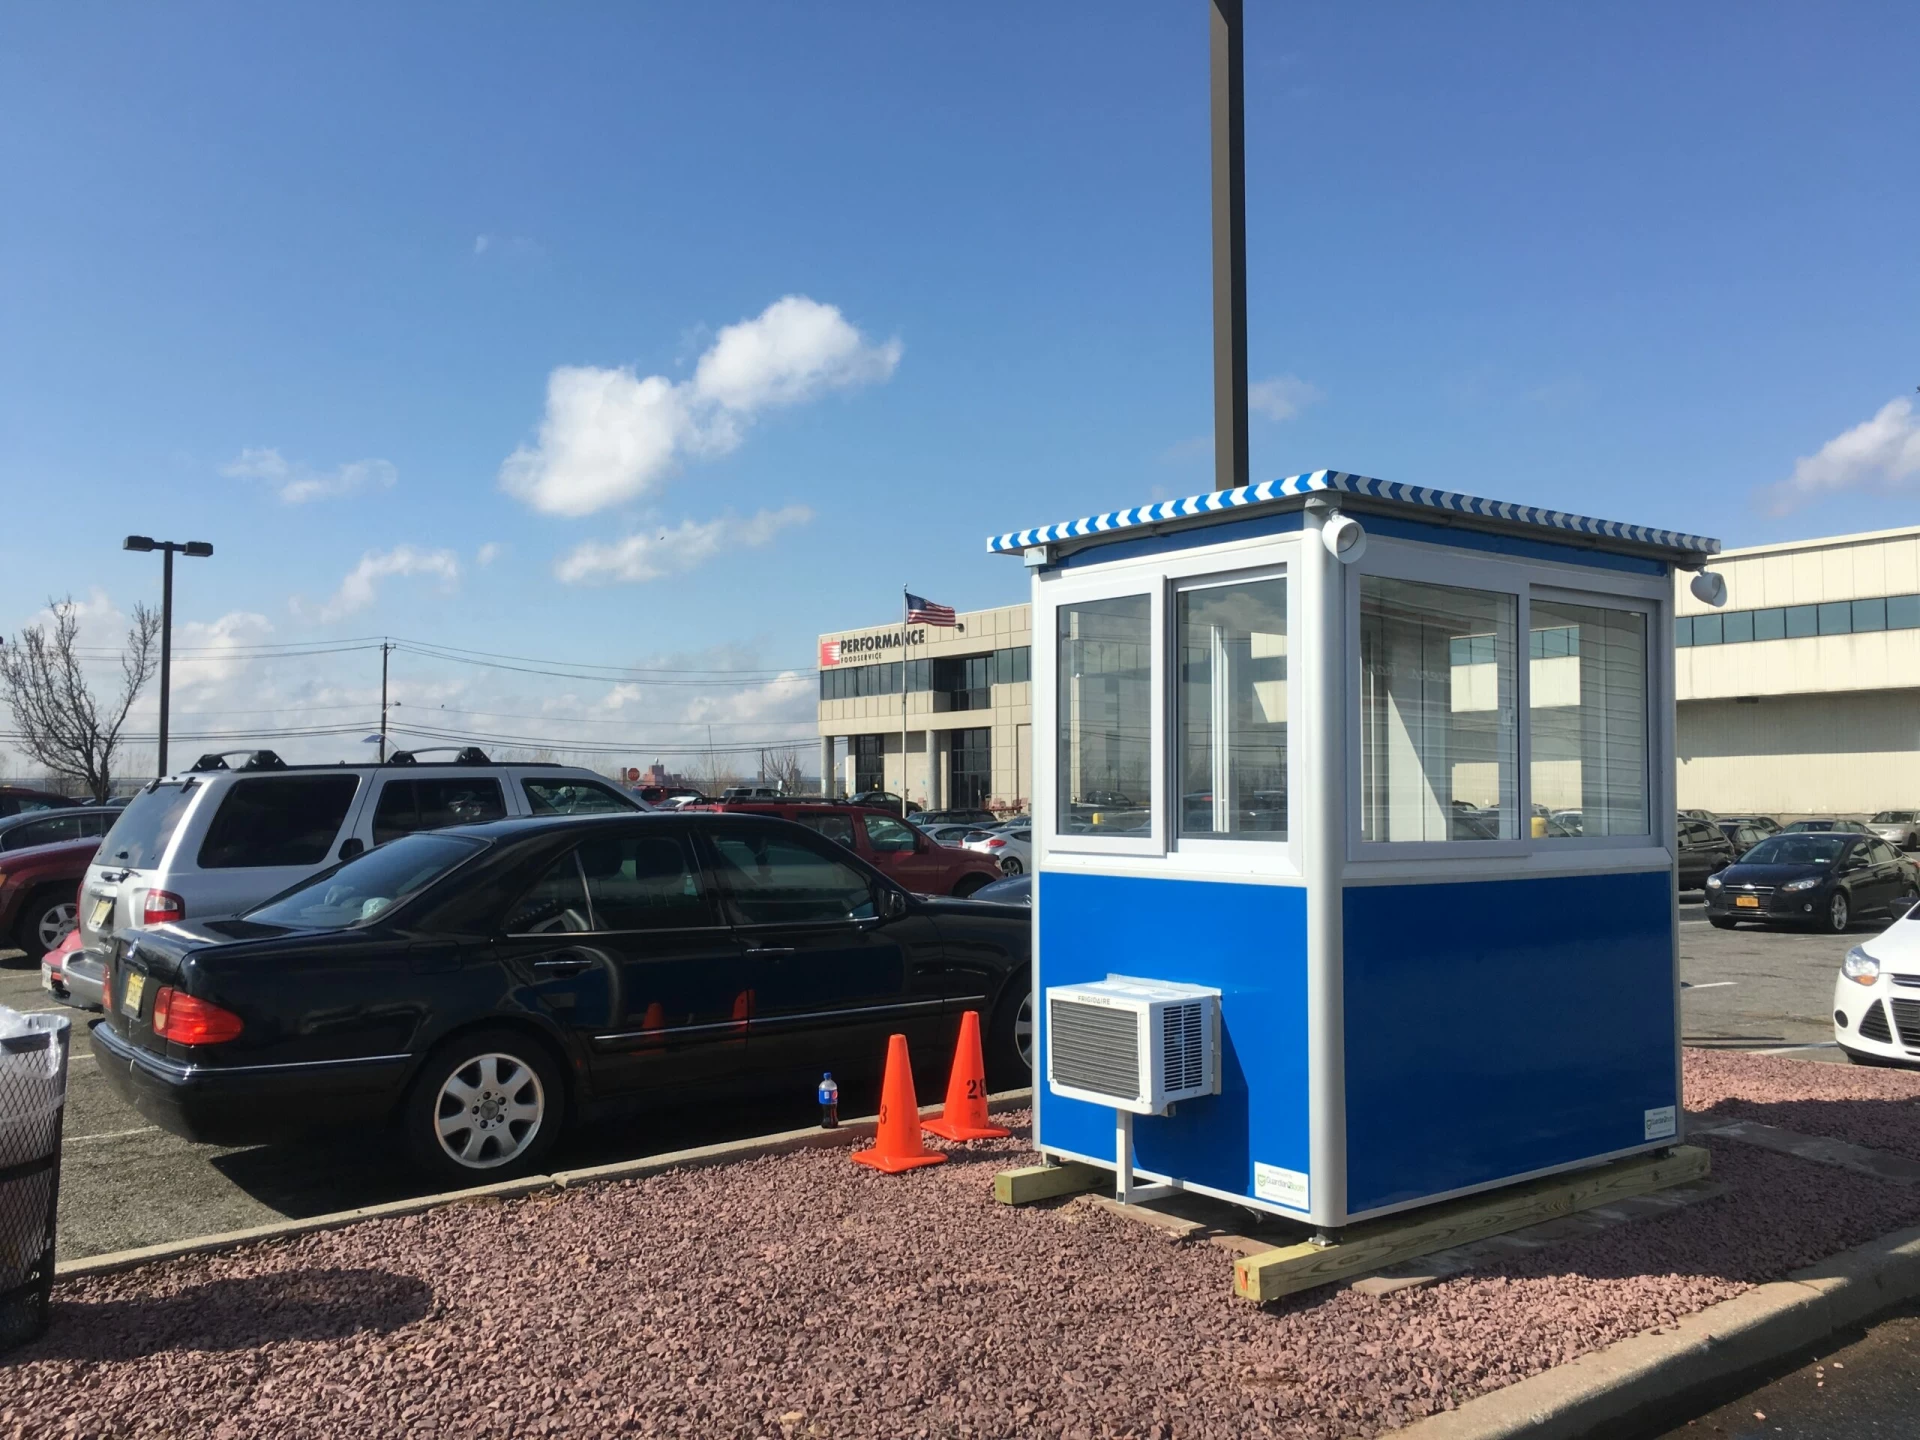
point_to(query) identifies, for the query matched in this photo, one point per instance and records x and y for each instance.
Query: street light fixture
(168, 548)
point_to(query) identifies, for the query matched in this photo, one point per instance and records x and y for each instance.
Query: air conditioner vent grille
(1184, 1042)
(1095, 1048)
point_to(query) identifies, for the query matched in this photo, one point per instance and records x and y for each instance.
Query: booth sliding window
(1105, 721)
(1587, 719)
(1437, 743)
(1232, 654)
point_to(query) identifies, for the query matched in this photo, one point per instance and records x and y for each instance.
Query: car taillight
(995, 844)
(162, 907)
(179, 1017)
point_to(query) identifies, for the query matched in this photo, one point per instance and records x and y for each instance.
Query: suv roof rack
(256, 760)
(463, 755)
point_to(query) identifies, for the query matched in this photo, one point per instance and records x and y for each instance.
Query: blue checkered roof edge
(1339, 482)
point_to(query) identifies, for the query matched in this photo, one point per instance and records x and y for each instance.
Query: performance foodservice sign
(867, 647)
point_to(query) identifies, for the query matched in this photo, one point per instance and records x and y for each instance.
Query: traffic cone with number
(896, 1140)
(964, 1116)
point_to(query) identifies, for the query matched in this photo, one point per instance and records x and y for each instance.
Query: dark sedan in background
(483, 986)
(1824, 879)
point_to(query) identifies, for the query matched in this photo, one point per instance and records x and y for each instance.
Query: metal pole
(166, 649)
(1231, 465)
(384, 649)
(903, 702)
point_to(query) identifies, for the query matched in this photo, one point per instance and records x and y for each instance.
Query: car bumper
(1864, 1013)
(253, 1104)
(1797, 907)
(82, 977)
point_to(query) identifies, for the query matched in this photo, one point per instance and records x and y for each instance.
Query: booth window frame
(1161, 577)
(1524, 580)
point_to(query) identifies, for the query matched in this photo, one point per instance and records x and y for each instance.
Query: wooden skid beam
(1366, 1247)
(1044, 1182)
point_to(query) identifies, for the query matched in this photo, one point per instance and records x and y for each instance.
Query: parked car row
(1826, 879)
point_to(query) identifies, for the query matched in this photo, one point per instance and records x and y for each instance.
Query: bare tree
(60, 723)
(782, 768)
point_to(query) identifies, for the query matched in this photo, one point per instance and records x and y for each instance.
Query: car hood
(61, 852)
(1775, 875)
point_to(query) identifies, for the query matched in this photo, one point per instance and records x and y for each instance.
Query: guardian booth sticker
(1282, 1187)
(1660, 1123)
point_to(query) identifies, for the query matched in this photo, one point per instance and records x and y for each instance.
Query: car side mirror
(351, 846)
(892, 903)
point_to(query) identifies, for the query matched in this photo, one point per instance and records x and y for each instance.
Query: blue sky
(1638, 263)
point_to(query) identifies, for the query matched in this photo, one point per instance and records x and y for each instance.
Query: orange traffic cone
(896, 1140)
(964, 1117)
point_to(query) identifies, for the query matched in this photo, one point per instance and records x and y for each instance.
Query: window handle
(769, 952)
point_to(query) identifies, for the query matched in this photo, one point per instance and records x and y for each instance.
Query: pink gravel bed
(1865, 1105)
(802, 1295)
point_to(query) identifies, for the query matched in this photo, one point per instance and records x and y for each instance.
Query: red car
(39, 893)
(884, 841)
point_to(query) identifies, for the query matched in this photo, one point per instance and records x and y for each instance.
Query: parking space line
(109, 1135)
(1706, 984)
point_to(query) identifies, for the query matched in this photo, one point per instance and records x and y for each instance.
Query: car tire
(1010, 1042)
(511, 1074)
(47, 915)
(967, 884)
(1839, 912)
(1012, 866)
(1721, 922)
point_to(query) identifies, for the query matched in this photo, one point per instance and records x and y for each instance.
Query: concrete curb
(700, 1156)
(1631, 1378)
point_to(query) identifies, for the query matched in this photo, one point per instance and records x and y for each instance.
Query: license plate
(136, 986)
(102, 912)
(1747, 902)
(46, 977)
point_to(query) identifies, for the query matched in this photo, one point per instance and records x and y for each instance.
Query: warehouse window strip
(1797, 622)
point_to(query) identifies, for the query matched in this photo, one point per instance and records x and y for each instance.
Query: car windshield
(140, 835)
(1797, 850)
(359, 891)
(1893, 817)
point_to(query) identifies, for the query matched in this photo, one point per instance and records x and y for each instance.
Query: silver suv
(218, 840)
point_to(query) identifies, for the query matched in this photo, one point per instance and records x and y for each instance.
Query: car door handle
(769, 952)
(567, 962)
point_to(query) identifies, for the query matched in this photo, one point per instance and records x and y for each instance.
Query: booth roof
(1274, 494)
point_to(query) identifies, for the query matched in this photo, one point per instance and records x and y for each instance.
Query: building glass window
(1706, 629)
(869, 763)
(969, 769)
(963, 682)
(1105, 717)
(1802, 620)
(1011, 665)
(1683, 631)
(1869, 615)
(1232, 654)
(1836, 618)
(1903, 612)
(1587, 719)
(1770, 624)
(1437, 728)
(1737, 628)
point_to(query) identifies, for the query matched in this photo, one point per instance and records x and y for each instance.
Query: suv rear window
(409, 805)
(145, 828)
(574, 797)
(284, 820)
(837, 828)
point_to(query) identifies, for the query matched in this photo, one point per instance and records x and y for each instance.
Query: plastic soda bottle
(829, 1103)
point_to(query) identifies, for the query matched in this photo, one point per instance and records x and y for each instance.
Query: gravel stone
(801, 1296)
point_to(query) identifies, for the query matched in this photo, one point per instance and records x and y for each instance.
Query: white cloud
(297, 484)
(488, 553)
(360, 588)
(608, 436)
(652, 553)
(481, 243)
(1878, 454)
(1282, 397)
(208, 654)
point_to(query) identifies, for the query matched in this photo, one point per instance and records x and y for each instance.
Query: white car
(1899, 828)
(1012, 849)
(1876, 1000)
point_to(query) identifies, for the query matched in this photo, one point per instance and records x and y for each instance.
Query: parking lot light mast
(167, 548)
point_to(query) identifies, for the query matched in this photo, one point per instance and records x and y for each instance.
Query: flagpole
(904, 610)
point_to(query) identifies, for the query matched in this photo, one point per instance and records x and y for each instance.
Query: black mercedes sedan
(485, 986)
(1826, 880)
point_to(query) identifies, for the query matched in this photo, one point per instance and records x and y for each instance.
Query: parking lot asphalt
(126, 1183)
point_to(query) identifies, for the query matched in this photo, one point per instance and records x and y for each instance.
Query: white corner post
(1322, 815)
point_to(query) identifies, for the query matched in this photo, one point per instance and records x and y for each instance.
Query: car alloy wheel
(1011, 866)
(1837, 911)
(1023, 1030)
(54, 922)
(489, 1111)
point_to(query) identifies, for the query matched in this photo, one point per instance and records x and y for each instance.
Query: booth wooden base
(1046, 1182)
(1369, 1246)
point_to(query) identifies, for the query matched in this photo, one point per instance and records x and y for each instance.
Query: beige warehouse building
(1802, 694)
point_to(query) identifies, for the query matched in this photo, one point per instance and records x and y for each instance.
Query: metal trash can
(33, 1097)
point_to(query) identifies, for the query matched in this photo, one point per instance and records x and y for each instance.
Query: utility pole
(1231, 465)
(386, 648)
(147, 544)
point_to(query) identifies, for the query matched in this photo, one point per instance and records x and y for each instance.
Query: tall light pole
(1227, 109)
(167, 549)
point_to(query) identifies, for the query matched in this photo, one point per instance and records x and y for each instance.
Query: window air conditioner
(1134, 1045)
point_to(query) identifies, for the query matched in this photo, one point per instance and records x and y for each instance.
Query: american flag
(922, 611)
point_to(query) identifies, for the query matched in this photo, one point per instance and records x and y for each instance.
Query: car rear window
(277, 820)
(409, 805)
(837, 828)
(364, 888)
(145, 828)
(574, 797)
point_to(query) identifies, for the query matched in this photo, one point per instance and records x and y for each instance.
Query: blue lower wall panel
(1248, 940)
(1495, 1028)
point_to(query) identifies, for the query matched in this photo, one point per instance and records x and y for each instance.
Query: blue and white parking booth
(1353, 826)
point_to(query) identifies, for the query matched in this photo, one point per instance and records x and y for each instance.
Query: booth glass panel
(1437, 722)
(1587, 719)
(1106, 717)
(1233, 711)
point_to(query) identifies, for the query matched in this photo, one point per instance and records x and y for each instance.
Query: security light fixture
(1709, 587)
(1344, 538)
